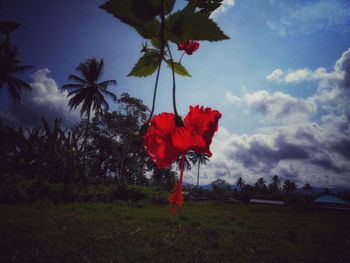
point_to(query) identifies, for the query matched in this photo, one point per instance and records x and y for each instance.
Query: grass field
(200, 232)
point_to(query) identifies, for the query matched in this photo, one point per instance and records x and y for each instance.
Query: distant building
(331, 202)
(328, 199)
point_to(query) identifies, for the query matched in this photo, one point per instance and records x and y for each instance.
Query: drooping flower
(158, 140)
(165, 142)
(189, 46)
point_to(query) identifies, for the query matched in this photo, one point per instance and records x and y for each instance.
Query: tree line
(277, 189)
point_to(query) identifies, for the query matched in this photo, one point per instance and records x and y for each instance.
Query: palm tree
(86, 90)
(10, 66)
(240, 183)
(307, 187)
(274, 186)
(289, 186)
(201, 158)
(187, 164)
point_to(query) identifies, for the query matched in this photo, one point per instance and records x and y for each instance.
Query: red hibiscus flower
(158, 140)
(165, 142)
(189, 46)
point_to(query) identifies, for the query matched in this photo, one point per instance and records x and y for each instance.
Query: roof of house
(330, 199)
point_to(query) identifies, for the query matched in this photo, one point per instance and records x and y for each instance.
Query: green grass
(200, 232)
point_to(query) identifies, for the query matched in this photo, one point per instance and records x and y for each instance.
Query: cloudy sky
(282, 82)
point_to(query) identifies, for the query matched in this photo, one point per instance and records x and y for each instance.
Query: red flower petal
(158, 140)
(203, 123)
(176, 198)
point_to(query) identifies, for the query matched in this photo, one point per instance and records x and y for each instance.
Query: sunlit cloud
(45, 100)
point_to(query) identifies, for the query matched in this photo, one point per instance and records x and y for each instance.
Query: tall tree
(200, 158)
(10, 64)
(240, 183)
(187, 163)
(289, 186)
(88, 91)
(274, 186)
(260, 185)
(307, 187)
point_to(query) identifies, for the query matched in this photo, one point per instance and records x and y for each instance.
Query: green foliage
(178, 68)
(148, 18)
(15, 189)
(220, 189)
(146, 65)
(138, 14)
(186, 25)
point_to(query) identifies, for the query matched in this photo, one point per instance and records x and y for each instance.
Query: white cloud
(44, 101)
(304, 152)
(280, 107)
(333, 90)
(232, 98)
(293, 17)
(314, 152)
(275, 75)
(298, 76)
(226, 4)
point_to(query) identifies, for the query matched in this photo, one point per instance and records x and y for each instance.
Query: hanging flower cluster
(189, 46)
(166, 142)
(167, 136)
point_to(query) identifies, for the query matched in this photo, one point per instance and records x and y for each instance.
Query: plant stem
(182, 56)
(161, 55)
(174, 83)
(155, 91)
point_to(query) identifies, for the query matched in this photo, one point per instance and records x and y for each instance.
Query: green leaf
(149, 30)
(168, 6)
(185, 25)
(146, 65)
(140, 14)
(143, 9)
(156, 42)
(121, 9)
(178, 68)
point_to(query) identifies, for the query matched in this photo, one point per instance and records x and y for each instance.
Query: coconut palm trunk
(86, 132)
(199, 164)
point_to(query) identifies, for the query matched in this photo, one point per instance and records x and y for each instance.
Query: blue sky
(280, 81)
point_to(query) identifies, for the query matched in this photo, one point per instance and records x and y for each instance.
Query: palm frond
(86, 108)
(14, 91)
(77, 79)
(72, 86)
(75, 92)
(21, 84)
(22, 69)
(99, 69)
(76, 100)
(102, 101)
(109, 94)
(107, 83)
